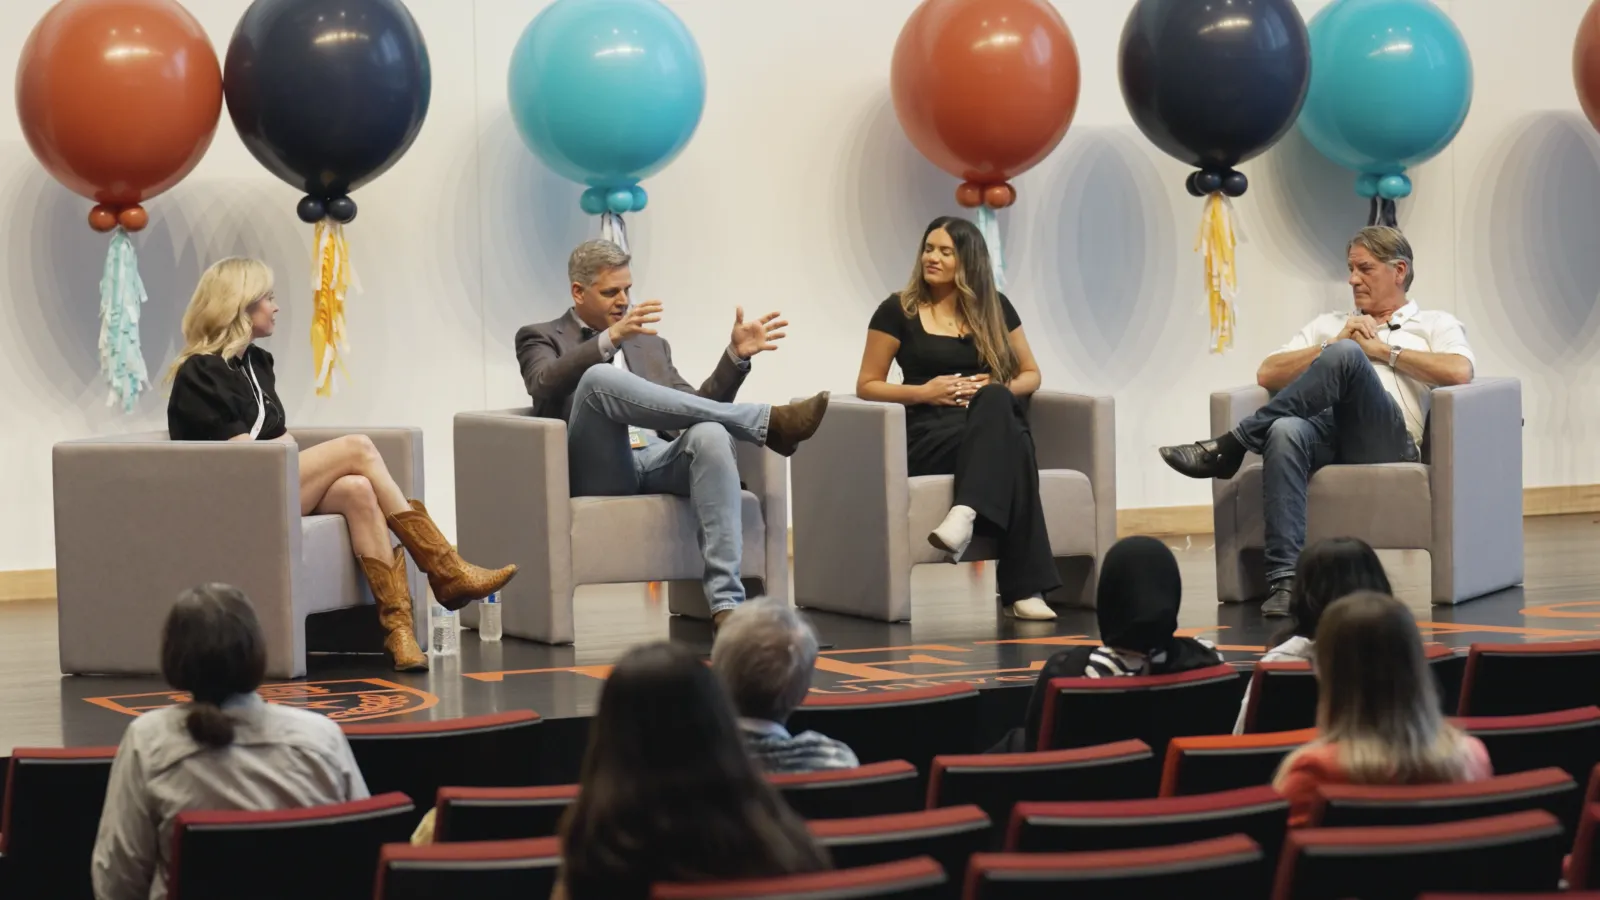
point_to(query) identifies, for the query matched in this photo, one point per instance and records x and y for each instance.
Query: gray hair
(593, 257)
(765, 654)
(1388, 246)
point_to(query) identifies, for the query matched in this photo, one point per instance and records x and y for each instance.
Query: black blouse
(213, 400)
(923, 356)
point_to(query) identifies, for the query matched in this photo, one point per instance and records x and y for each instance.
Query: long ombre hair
(668, 792)
(976, 295)
(218, 318)
(1376, 700)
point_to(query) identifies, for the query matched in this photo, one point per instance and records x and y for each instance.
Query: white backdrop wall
(800, 193)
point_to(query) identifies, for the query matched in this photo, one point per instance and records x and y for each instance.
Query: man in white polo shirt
(1351, 388)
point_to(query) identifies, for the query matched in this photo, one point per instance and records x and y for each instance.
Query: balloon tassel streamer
(613, 229)
(1383, 212)
(121, 297)
(332, 276)
(1217, 240)
(989, 227)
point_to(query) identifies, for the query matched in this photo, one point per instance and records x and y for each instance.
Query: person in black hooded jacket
(1137, 603)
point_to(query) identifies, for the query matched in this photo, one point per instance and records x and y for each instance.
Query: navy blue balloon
(1211, 83)
(327, 94)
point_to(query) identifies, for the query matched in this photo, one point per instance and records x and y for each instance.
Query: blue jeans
(1336, 412)
(699, 464)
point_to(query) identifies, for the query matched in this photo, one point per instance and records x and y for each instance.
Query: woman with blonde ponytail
(968, 372)
(223, 389)
(225, 748)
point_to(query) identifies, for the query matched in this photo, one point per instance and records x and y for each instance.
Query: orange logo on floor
(344, 700)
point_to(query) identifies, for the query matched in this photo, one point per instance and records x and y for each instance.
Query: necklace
(946, 323)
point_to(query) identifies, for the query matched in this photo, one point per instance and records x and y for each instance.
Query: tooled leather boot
(455, 581)
(393, 595)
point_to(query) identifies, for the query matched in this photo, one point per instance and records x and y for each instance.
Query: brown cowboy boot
(790, 424)
(455, 581)
(389, 589)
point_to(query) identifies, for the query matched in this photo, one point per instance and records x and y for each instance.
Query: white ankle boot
(1032, 608)
(955, 532)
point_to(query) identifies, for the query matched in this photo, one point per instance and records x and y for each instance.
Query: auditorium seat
(1256, 812)
(479, 870)
(1518, 679)
(1231, 866)
(909, 879)
(1356, 805)
(314, 853)
(996, 781)
(418, 758)
(1082, 712)
(1581, 872)
(1204, 765)
(500, 814)
(1514, 852)
(1569, 739)
(949, 836)
(869, 790)
(52, 809)
(915, 724)
(1283, 695)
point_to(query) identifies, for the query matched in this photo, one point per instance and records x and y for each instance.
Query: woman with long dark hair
(668, 792)
(1327, 570)
(967, 373)
(225, 748)
(1378, 716)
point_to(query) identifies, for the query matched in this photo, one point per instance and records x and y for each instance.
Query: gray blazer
(554, 356)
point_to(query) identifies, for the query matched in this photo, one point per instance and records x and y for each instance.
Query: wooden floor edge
(40, 584)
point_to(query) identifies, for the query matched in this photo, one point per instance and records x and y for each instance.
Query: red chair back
(870, 790)
(1357, 805)
(1569, 740)
(1581, 869)
(996, 781)
(500, 814)
(1283, 695)
(481, 870)
(49, 820)
(1519, 679)
(910, 879)
(1258, 813)
(914, 725)
(1230, 866)
(1082, 712)
(418, 758)
(949, 836)
(1224, 762)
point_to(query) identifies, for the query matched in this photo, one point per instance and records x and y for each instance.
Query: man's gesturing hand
(637, 321)
(756, 335)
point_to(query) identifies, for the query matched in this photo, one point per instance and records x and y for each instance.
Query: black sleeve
(1013, 321)
(890, 318)
(200, 408)
(1068, 663)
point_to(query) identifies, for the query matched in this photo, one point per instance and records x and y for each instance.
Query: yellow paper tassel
(331, 274)
(1217, 241)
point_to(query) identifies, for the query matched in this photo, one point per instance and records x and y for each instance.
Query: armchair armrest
(766, 474)
(1475, 473)
(851, 508)
(401, 449)
(513, 505)
(1230, 407)
(1078, 432)
(139, 519)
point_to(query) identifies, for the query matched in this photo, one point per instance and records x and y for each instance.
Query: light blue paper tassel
(121, 296)
(989, 226)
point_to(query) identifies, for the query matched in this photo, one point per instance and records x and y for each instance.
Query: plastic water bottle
(446, 628)
(489, 618)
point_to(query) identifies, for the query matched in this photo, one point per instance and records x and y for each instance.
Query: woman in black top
(967, 372)
(223, 390)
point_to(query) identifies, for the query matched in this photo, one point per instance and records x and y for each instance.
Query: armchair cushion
(621, 540)
(1388, 505)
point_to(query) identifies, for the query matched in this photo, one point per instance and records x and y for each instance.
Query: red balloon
(1586, 64)
(102, 218)
(119, 99)
(134, 218)
(985, 89)
(969, 195)
(999, 196)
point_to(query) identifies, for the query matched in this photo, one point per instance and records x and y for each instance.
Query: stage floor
(957, 634)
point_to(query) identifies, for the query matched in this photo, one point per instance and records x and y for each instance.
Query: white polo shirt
(1430, 330)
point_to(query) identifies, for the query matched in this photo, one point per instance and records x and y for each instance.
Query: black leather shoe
(1206, 459)
(1276, 606)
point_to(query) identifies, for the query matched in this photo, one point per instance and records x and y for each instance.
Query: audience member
(1378, 718)
(1137, 603)
(225, 749)
(668, 793)
(765, 654)
(1325, 571)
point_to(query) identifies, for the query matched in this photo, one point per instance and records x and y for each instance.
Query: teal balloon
(640, 198)
(1367, 185)
(620, 200)
(593, 201)
(1391, 83)
(1394, 187)
(607, 92)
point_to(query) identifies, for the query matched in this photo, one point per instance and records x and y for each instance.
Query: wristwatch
(1325, 345)
(1394, 355)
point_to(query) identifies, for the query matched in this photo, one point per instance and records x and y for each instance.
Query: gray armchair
(1462, 502)
(140, 518)
(513, 503)
(861, 523)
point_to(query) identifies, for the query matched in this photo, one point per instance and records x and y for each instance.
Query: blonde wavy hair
(218, 318)
(1376, 700)
(977, 297)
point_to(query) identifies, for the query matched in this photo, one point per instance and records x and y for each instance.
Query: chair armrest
(766, 474)
(1230, 407)
(139, 519)
(513, 505)
(401, 449)
(1475, 473)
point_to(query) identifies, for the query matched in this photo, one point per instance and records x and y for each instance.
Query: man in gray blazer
(635, 426)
